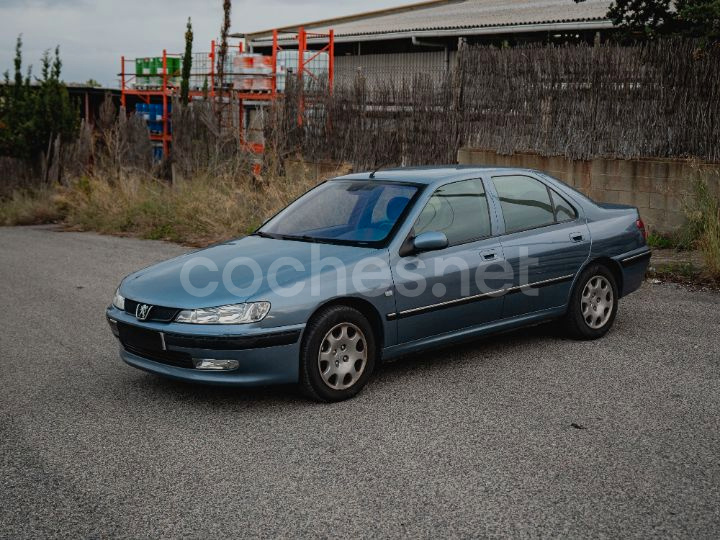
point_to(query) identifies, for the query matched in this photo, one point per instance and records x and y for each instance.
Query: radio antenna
(372, 174)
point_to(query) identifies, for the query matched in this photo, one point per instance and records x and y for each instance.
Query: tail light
(641, 226)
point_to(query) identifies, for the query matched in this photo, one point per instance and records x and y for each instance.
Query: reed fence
(657, 99)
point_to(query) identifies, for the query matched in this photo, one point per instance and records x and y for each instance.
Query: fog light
(215, 364)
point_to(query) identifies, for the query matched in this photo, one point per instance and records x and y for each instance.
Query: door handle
(576, 236)
(489, 255)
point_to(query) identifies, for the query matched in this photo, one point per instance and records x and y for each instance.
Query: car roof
(430, 175)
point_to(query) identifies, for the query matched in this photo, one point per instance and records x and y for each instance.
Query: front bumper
(265, 356)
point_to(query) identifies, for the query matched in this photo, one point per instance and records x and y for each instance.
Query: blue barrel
(142, 110)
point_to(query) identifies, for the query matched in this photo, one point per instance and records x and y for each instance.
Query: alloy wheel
(596, 302)
(343, 356)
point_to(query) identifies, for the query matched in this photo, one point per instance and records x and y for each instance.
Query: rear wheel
(593, 304)
(338, 354)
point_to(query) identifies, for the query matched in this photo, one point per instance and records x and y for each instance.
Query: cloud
(41, 3)
(94, 34)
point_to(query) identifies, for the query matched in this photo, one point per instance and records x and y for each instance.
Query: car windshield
(360, 212)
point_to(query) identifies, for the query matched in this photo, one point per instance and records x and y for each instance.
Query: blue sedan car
(367, 267)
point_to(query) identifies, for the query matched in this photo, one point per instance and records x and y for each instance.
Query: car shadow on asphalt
(215, 395)
(439, 358)
(278, 395)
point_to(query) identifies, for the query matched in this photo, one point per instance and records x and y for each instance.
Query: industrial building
(424, 37)
(420, 38)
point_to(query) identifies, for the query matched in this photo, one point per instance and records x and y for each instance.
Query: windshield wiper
(314, 239)
(306, 238)
(301, 238)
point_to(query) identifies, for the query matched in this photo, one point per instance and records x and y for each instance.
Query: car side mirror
(430, 241)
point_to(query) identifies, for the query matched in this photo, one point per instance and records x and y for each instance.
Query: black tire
(589, 317)
(314, 370)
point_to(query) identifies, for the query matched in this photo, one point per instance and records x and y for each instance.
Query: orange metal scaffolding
(217, 92)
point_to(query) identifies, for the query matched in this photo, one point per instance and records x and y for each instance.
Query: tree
(186, 64)
(16, 106)
(694, 18)
(700, 18)
(224, 31)
(649, 16)
(33, 116)
(54, 113)
(222, 56)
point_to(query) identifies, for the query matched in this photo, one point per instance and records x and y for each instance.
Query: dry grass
(30, 207)
(195, 212)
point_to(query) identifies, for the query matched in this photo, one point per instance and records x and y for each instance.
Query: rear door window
(525, 202)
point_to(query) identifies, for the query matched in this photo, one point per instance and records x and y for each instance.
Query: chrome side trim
(448, 303)
(540, 283)
(476, 297)
(626, 260)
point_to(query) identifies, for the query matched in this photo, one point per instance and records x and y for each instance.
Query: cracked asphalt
(525, 434)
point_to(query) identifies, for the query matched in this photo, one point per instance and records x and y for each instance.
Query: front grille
(157, 313)
(233, 343)
(171, 358)
(149, 344)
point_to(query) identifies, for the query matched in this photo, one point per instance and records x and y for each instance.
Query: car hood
(163, 283)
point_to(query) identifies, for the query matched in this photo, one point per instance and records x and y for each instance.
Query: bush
(661, 241)
(30, 207)
(703, 227)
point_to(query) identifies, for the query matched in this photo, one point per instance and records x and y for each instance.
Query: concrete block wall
(317, 170)
(658, 187)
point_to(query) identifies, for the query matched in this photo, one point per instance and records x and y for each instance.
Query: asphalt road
(474, 441)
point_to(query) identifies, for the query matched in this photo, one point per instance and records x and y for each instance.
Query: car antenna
(372, 174)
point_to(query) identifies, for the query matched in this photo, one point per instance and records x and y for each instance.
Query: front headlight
(119, 300)
(232, 314)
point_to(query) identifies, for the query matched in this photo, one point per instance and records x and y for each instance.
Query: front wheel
(593, 304)
(338, 354)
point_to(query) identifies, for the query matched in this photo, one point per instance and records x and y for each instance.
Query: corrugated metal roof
(459, 14)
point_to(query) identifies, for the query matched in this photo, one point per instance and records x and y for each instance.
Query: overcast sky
(94, 34)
